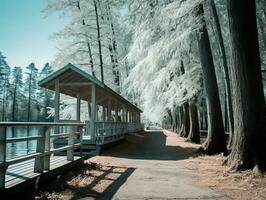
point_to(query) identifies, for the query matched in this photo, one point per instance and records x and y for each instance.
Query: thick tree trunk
(194, 134)
(185, 120)
(249, 145)
(225, 67)
(215, 142)
(263, 33)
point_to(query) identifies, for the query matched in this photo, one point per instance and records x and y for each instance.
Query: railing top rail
(49, 124)
(116, 122)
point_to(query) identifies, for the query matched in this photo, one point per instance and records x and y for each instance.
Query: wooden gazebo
(119, 115)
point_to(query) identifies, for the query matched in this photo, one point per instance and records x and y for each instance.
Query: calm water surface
(21, 148)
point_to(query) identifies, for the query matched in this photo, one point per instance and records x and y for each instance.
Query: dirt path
(151, 169)
(146, 166)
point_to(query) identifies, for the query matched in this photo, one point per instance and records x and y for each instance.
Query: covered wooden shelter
(119, 115)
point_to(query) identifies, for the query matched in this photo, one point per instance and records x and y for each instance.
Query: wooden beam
(93, 111)
(124, 113)
(78, 108)
(57, 100)
(75, 84)
(116, 111)
(109, 109)
(2, 157)
(47, 147)
(39, 161)
(57, 105)
(104, 113)
(126, 116)
(71, 142)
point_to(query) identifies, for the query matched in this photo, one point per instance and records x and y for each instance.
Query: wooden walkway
(24, 171)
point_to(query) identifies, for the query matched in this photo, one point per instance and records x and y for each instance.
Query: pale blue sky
(25, 31)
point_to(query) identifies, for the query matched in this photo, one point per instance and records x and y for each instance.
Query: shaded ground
(147, 166)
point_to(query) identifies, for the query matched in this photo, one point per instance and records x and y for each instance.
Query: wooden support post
(47, 149)
(57, 105)
(3, 167)
(104, 113)
(93, 111)
(124, 114)
(81, 132)
(130, 117)
(116, 112)
(39, 161)
(133, 117)
(71, 142)
(109, 110)
(97, 113)
(78, 108)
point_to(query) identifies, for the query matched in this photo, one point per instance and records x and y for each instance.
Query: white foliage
(159, 44)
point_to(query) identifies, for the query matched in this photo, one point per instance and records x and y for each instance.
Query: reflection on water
(23, 147)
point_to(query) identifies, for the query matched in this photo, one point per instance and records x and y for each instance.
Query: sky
(25, 32)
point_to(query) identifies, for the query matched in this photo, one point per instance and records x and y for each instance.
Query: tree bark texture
(215, 142)
(249, 144)
(185, 120)
(194, 134)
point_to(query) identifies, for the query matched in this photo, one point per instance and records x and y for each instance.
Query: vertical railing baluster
(47, 147)
(39, 161)
(3, 167)
(70, 151)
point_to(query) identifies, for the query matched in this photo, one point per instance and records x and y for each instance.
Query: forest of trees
(21, 98)
(189, 64)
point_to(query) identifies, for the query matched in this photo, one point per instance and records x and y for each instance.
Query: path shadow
(153, 147)
(89, 182)
(89, 191)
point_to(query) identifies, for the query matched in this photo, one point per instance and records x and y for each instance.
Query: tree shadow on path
(153, 146)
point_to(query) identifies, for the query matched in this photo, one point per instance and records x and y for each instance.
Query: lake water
(20, 148)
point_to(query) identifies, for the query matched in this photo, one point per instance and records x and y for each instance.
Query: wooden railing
(106, 132)
(44, 149)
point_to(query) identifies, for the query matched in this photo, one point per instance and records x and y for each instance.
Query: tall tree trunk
(14, 103)
(88, 43)
(4, 102)
(225, 68)
(170, 117)
(29, 100)
(194, 134)
(248, 100)
(114, 47)
(185, 120)
(215, 142)
(181, 114)
(176, 119)
(99, 39)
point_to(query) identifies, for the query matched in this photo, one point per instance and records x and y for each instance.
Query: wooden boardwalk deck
(23, 171)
